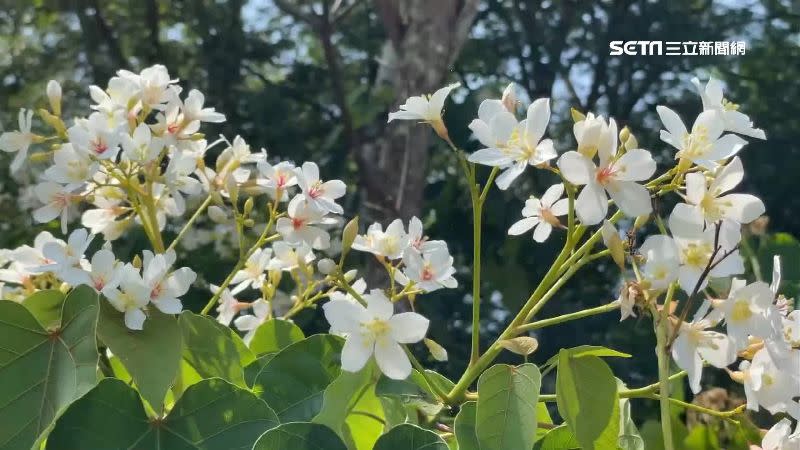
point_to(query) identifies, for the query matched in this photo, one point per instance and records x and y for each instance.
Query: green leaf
(415, 390)
(274, 335)
(46, 307)
(506, 408)
(342, 395)
(300, 436)
(629, 437)
(42, 372)
(464, 427)
(559, 438)
(586, 393)
(152, 356)
(586, 350)
(410, 437)
(542, 417)
(211, 415)
(294, 380)
(210, 348)
(702, 437)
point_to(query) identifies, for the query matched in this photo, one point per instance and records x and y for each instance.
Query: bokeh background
(315, 79)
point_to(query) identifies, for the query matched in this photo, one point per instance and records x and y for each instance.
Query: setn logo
(635, 48)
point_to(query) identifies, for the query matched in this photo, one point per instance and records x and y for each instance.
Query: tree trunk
(424, 39)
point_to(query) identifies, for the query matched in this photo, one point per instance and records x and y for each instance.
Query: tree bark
(424, 39)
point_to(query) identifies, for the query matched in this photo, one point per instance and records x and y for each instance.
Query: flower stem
(190, 222)
(609, 307)
(661, 325)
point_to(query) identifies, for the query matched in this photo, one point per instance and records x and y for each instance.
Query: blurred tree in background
(315, 79)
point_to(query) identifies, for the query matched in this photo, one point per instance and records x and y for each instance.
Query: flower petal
(408, 327)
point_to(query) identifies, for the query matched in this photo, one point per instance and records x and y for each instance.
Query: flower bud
(217, 214)
(350, 275)
(509, 98)
(249, 223)
(54, 96)
(137, 262)
(248, 206)
(437, 351)
(326, 266)
(349, 235)
(614, 243)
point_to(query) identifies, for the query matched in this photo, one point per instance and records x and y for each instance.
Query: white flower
(734, 120)
(424, 108)
(359, 287)
(166, 287)
(709, 199)
(19, 141)
(228, 305)
(178, 178)
(252, 274)
(510, 145)
(299, 226)
(105, 271)
(152, 84)
(67, 259)
(705, 144)
(696, 343)
(56, 203)
(542, 213)
(70, 168)
(748, 311)
(96, 136)
(321, 194)
(765, 384)
(417, 240)
(375, 330)
(696, 245)
(429, 270)
(662, 260)
(250, 322)
(615, 175)
(193, 109)
(103, 219)
(780, 437)
(390, 244)
(279, 177)
(131, 297)
(288, 257)
(141, 147)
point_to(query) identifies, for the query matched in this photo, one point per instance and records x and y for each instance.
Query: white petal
(169, 305)
(635, 165)
(710, 122)
(729, 176)
(408, 327)
(510, 174)
(720, 356)
(392, 360)
(134, 319)
(356, 352)
(632, 198)
(552, 194)
(343, 315)
(537, 119)
(695, 187)
(378, 305)
(560, 207)
(744, 208)
(490, 157)
(542, 232)
(725, 147)
(672, 122)
(686, 221)
(576, 168)
(591, 206)
(523, 225)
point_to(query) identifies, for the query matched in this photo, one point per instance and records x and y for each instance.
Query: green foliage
(415, 391)
(211, 415)
(506, 408)
(213, 350)
(274, 335)
(300, 436)
(152, 355)
(586, 392)
(559, 438)
(42, 371)
(46, 307)
(293, 382)
(584, 350)
(410, 437)
(464, 427)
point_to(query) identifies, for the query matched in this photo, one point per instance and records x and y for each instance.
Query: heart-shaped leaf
(410, 437)
(274, 335)
(42, 372)
(506, 409)
(300, 436)
(212, 350)
(211, 415)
